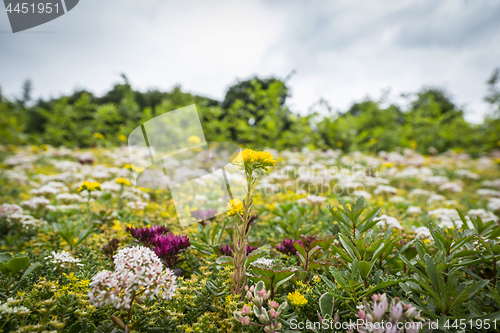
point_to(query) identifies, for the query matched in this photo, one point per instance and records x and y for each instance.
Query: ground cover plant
(324, 241)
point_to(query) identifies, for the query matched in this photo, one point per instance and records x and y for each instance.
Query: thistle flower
(145, 235)
(286, 247)
(89, 186)
(123, 181)
(297, 299)
(250, 160)
(138, 270)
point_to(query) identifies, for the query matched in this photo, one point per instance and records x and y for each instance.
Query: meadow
(325, 240)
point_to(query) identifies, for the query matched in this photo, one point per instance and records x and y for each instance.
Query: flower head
(234, 208)
(286, 247)
(63, 259)
(89, 186)
(123, 181)
(137, 270)
(297, 299)
(250, 160)
(145, 235)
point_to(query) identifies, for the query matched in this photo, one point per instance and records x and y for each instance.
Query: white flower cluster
(264, 261)
(137, 205)
(69, 198)
(7, 210)
(138, 270)
(37, 203)
(385, 221)
(27, 221)
(10, 307)
(63, 259)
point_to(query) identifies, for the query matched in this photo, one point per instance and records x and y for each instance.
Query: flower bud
(246, 310)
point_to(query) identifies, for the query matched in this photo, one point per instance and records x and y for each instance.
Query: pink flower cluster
(267, 318)
(138, 272)
(376, 320)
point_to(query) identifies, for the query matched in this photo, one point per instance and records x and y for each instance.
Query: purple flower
(168, 246)
(145, 235)
(226, 250)
(250, 249)
(286, 247)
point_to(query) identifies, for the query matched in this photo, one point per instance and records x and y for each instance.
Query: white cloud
(341, 50)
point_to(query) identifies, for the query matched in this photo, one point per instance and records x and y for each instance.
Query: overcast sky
(341, 51)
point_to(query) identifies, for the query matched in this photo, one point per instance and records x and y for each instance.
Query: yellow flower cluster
(89, 186)
(252, 159)
(297, 299)
(234, 208)
(123, 181)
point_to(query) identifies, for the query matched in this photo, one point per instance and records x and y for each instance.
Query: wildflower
(145, 235)
(7, 210)
(137, 205)
(297, 299)
(123, 181)
(389, 222)
(9, 307)
(234, 208)
(63, 259)
(37, 203)
(109, 249)
(138, 270)
(264, 261)
(98, 136)
(68, 197)
(168, 246)
(89, 186)
(250, 160)
(286, 247)
(414, 210)
(246, 310)
(315, 199)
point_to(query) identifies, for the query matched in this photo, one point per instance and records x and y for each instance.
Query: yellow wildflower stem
(240, 241)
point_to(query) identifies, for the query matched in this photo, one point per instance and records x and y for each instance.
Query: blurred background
(350, 75)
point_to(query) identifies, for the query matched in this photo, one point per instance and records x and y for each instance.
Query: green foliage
(254, 113)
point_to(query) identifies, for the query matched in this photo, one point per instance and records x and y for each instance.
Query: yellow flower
(340, 144)
(413, 144)
(388, 164)
(123, 181)
(373, 141)
(98, 136)
(193, 140)
(89, 186)
(297, 299)
(234, 208)
(253, 160)
(122, 137)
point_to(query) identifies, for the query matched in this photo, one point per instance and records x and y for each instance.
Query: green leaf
(432, 272)
(17, 263)
(365, 268)
(224, 261)
(29, 270)
(326, 304)
(5, 257)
